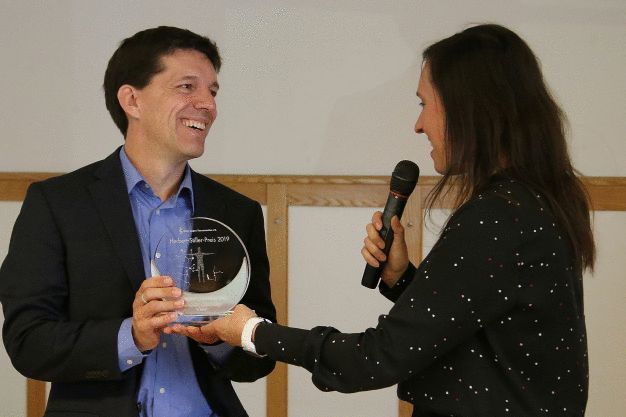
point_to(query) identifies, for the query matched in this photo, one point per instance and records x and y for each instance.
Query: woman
(491, 322)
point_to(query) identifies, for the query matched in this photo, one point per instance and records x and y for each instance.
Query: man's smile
(195, 124)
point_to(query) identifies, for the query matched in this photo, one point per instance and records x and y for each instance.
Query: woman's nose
(419, 127)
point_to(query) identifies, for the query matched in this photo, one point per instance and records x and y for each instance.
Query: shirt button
(164, 345)
(157, 255)
(162, 390)
(158, 211)
(130, 362)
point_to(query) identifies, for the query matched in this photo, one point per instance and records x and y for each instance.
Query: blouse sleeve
(466, 282)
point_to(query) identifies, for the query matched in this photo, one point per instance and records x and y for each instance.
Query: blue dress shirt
(168, 384)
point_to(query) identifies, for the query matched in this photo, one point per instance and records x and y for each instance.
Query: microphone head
(404, 177)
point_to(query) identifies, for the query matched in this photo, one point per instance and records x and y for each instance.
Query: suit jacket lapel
(208, 200)
(111, 201)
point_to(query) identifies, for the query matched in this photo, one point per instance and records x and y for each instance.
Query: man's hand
(154, 308)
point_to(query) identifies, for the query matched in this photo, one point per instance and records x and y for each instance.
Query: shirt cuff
(128, 355)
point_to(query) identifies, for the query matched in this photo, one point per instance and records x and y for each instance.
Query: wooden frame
(278, 193)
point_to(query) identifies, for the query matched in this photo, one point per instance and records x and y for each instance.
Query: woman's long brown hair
(500, 117)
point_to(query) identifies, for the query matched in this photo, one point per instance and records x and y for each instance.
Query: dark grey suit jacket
(69, 279)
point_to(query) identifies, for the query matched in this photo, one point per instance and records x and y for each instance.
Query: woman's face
(431, 120)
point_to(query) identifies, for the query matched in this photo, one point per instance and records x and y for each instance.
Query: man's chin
(194, 148)
(195, 153)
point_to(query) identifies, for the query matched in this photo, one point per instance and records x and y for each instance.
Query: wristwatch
(246, 335)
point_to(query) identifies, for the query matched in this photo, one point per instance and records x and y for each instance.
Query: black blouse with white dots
(490, 324)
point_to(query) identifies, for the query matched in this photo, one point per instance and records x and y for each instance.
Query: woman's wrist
(247, 334)
(391, 278)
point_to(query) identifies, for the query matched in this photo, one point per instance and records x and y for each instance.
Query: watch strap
(246, 335)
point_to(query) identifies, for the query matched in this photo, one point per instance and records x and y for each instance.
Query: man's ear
(127, 97)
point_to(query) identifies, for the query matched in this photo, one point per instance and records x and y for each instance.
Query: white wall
(12, 384)
(325, 87)
(325, 269)
(329, 83)
(605, 313)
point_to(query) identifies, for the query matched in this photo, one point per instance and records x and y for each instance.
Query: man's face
(177, 107)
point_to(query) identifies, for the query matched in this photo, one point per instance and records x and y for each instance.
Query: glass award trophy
(208, 261)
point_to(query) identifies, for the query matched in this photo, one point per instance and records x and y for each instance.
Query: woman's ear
(127, 97)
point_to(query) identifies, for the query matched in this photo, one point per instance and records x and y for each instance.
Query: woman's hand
(227, 328)
(398, 259)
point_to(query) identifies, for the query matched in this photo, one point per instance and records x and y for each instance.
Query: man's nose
(206, 102)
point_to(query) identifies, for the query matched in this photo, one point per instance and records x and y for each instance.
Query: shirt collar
(133, 177)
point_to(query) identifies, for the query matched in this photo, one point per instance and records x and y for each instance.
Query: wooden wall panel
(280, 192)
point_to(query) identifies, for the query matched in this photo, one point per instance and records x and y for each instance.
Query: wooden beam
(607, 193)
(13, 185)
(35, 398)
(277, 251)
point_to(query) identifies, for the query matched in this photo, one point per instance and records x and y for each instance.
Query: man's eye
(214, 93)
(186, 86)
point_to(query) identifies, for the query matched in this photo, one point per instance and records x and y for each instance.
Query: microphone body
(403, 181)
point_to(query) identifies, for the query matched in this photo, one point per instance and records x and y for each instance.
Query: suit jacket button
(139, 407)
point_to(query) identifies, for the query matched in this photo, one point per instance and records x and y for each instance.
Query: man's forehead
(171, 61)
(178, 54)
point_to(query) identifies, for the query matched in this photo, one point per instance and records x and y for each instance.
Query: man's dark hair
(138, 59)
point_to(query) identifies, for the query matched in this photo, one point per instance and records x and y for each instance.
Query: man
(79, 310)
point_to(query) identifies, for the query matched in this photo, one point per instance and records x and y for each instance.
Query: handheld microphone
(403, 181)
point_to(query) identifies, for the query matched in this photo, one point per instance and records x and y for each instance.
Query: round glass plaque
(209, 263)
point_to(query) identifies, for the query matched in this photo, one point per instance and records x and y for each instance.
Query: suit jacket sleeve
(41, 338)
